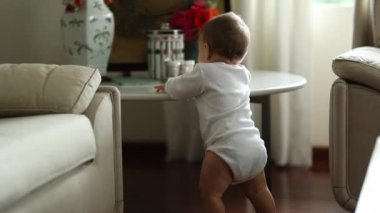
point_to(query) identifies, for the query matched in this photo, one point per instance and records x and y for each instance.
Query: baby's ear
(207, 50)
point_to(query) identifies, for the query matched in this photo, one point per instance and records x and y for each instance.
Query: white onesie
(221, 92)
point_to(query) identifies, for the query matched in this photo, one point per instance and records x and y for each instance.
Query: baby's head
(224, 38)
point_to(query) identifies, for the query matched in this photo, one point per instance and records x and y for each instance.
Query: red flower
(193, 19)
(184, 20)
(203, 15)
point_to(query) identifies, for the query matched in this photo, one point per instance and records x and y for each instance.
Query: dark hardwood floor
(152, 185)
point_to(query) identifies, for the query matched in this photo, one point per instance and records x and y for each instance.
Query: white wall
(30, 31)
(332, 35)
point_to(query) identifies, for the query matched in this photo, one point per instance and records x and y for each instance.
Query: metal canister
(164, 44)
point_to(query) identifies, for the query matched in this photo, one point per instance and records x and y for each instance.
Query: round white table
(263, 85)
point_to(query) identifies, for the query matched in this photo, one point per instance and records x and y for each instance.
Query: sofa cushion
(360, 65)
(37, 149)
(27, 89)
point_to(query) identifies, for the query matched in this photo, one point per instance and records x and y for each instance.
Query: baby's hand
(160, 88)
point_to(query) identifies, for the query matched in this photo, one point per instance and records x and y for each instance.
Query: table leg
(265, 131)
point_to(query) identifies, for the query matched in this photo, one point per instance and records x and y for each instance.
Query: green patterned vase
(88, 34)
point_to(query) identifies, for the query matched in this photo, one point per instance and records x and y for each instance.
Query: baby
(219, 84)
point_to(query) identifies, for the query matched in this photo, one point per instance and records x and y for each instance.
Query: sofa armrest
(354, 118)
(360, 65)
(94, 113)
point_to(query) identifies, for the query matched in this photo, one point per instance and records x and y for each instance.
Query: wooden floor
(152, 185)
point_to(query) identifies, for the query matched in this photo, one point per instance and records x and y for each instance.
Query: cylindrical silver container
(164, 44)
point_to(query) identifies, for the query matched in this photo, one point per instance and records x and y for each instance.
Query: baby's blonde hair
(227, 35)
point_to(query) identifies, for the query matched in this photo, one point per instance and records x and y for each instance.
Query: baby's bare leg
(214, 180)
(258, 193)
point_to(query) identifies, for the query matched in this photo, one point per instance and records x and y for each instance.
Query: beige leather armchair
(60, 140)
(355, 106)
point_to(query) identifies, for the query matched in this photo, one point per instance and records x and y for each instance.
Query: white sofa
(60, 140)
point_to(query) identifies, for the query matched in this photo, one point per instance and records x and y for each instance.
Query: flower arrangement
(74, 5)
(193, 19)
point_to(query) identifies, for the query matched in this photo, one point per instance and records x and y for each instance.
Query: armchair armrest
(105, 116)
(360, 65)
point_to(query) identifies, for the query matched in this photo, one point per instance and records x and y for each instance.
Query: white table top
(262, 83)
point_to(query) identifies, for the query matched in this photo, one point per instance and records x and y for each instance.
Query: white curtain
(281, 36)
(281, 40)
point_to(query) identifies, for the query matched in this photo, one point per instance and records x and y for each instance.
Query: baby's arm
(185, 86)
